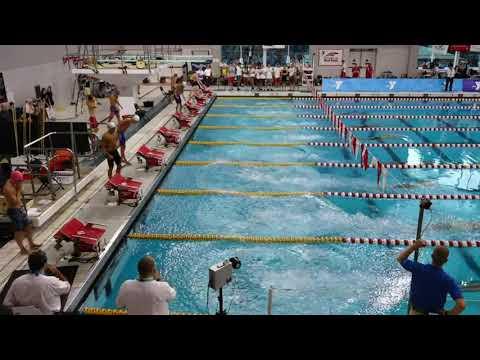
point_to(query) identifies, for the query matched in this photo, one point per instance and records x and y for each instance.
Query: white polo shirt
(40, 291)
(207, 72)
(145, 297)
(450, 72)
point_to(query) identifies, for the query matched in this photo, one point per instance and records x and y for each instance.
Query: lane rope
(325, 164)
(341, 194)
(103, 311)
(387, 107)
(331, 128)
(376, 116)
(300, 239)
(337, 144)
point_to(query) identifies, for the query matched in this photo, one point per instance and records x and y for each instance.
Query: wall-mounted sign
(330, 57)
(460, 48)
(474, 48)
(440, 49)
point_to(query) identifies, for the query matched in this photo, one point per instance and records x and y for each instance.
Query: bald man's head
(146, 266)
(440, 255)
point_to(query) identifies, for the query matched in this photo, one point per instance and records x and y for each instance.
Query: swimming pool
(306, 278)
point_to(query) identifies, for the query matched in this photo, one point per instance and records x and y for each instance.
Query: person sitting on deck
(149, 295)
(36, 288)
(430, 284)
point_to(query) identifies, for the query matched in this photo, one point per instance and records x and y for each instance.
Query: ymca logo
(391, 85)
(476, 87)
(338, 84)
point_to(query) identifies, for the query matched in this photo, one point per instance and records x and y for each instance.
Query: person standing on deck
(149, 294)
(114, 106)
(123, 126)
(12, 190)
(343, 73)
(109, 145)
(208, 75)
(355, 70)
(450, 77)
(368, 70)
(430, 284)
(178, 93)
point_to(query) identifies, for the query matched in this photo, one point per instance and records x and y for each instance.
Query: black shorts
(19, 218)
(178, 100)
(116, 159)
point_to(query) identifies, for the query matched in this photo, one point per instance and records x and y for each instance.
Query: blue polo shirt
(430, 286)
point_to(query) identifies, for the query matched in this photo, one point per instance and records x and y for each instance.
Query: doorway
(360, 56)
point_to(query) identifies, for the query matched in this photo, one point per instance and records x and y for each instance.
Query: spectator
(208, 75)
(430, 284)
(343, 73)
(200, 73)
(355, 70)
(278, 75)
(148, 295)
(269, 77)
(450, 77)
(36, 288)
(292, 76)
(238, 75)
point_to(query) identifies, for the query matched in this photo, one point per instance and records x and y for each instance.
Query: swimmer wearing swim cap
(12, 190)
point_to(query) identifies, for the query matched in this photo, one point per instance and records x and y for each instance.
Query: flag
(354, 145)
(379, 172)
(364, 157)
(384, 178)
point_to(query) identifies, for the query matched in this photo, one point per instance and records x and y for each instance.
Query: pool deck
(90, 206)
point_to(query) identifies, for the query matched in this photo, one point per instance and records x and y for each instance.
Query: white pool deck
(90, 202)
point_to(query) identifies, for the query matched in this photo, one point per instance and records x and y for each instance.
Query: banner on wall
(330, 57)
(474, 48)
(460, 48)
(471, 85)
(388, 85)
(266, 47)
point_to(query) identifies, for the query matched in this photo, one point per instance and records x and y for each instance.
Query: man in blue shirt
(430, 284)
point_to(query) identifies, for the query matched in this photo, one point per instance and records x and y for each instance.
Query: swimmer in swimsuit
(114, 107)
(123, 125)
(109, 145)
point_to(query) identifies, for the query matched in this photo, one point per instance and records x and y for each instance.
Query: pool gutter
(121, 235)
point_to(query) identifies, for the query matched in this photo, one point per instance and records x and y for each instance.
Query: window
(253, 54)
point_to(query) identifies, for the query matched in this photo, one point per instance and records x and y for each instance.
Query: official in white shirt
(208, 75)
(37, 289)
(148, 295)
(450, 76)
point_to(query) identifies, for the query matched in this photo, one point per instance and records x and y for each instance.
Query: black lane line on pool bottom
(427, 140)
(461, 133)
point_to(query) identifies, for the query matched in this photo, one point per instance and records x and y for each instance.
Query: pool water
(306, 278)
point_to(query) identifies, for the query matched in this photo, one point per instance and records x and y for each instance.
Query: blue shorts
(122, 139)
(19, 218)
(114, 110)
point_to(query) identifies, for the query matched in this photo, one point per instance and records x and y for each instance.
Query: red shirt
(355, 71)
(369, 71)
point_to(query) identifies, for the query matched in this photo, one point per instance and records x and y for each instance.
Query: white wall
(24, 66)
(399, 59)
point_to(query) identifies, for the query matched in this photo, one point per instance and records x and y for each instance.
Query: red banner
(461, 48)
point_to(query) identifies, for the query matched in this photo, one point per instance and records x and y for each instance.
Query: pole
(72, 137)
(456, 58)
(270, 300)
(424, 204)
(220, 301)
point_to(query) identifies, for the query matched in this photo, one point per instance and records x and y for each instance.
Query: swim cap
(16, 176)
(136, 118)
(111, 125)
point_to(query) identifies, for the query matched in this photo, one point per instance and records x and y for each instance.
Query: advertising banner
(330, 57)
(474, 48)
(388, 85)
(440, 49)
(461, 48)
(471, 85)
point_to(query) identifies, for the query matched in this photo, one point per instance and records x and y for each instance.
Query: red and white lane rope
(395, 145)
(395, 242)
(400, 165)
(343, 116)
(383, 128)
(386, 107)
(395, 98)
(392, 196)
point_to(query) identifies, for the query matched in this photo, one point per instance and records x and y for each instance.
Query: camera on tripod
(220, 275)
